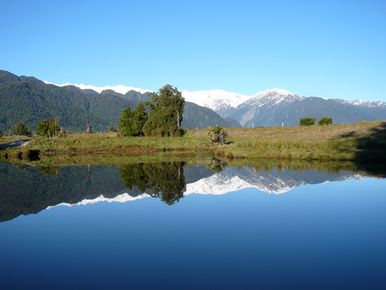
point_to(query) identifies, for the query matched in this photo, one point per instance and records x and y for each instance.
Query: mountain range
(30, 100)
(277, 107)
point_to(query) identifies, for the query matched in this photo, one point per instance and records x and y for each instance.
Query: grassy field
(335, 142)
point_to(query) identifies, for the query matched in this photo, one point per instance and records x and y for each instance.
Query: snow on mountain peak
(215, 99)
(369, 104)
(219, 184)
(272, 97)
(275, 91)
(120, 198)
(122, 89)
(221, 101)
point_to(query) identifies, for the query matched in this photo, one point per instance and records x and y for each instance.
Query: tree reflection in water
(164, 180)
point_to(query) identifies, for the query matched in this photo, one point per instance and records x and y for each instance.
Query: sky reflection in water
(314, 236)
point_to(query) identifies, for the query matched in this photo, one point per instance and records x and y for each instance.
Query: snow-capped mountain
(220, 101)
(225, 103)
(362, 103)
(270, 98)
(277, 107)
(246, 112)
(272, 107)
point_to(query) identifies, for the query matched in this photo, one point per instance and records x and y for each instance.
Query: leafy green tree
(165, 117)
(131, 123)
(325, 121)
(307, 121)
(48, 128)
(20, 129)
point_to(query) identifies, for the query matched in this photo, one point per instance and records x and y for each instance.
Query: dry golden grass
(300, 132)
(334, 142)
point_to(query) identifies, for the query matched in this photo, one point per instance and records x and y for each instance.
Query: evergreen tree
(140, 118)
(125, 122)
(131, 123)
(165, 117)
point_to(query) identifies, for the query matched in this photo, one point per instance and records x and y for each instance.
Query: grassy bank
(335, 142)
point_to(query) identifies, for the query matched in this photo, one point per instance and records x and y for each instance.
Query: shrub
(217, 135)
(20, 129)
(307, 121)
(325, 121)
(48, 127)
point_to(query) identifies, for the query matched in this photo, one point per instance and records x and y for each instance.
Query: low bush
(325, 121)
(307, 121)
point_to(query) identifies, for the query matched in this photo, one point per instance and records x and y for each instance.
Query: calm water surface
(176, 226)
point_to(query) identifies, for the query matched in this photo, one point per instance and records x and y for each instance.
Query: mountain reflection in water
(26, 189)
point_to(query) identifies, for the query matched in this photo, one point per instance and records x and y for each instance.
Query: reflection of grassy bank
(201, 159)
(337, 142)
(295, 164)
(260, 164)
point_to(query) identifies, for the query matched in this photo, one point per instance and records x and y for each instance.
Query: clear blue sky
(320, 48)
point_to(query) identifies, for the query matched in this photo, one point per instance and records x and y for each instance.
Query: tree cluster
(160, 117)
(307, 121)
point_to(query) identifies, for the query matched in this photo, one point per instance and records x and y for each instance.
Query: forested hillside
(30, 100)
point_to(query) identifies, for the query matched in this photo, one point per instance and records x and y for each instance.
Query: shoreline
(346, 142)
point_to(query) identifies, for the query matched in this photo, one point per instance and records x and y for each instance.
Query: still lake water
(176, 226)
